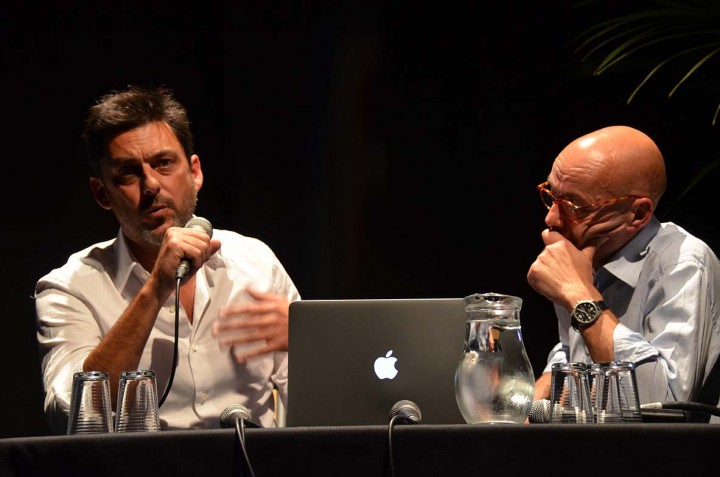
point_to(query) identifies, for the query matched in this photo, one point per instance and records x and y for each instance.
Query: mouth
(156, 208)
(155, 211)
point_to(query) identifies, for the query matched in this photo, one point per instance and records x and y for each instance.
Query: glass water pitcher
(494, 381)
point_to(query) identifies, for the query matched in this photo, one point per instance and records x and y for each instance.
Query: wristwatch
(586, 312)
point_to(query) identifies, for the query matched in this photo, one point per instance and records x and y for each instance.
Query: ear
(196, 171)
(100, 193)
(642, 212)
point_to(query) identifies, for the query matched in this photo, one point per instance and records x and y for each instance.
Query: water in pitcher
(494, 381)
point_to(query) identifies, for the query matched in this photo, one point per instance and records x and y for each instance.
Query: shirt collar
(125, 262)
(627, 262)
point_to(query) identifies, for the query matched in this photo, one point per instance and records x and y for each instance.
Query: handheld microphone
(198, 223)
(182, 270)
(406, 412)
(540, 411)
(235, 413)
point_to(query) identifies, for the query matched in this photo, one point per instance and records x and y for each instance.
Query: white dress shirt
(664, 287)
(78, 303)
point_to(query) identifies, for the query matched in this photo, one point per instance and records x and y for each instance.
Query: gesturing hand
(263, 321)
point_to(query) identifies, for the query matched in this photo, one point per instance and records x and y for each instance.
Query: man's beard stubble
(183, 213)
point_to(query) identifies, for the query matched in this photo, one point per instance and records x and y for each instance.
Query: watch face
(585, 312)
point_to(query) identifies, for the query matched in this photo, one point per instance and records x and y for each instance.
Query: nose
(553, 218)
(151, 185)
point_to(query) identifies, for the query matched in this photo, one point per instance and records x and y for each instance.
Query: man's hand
(181, 243)
(561, 272)
(264, 320)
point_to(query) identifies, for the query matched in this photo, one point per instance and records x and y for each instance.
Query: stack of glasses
(598, 393)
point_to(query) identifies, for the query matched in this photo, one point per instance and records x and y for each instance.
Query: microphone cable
(683, 406)
(175, 345)
(240, 431)
(402, 412)
(182, 270)
(239, 414)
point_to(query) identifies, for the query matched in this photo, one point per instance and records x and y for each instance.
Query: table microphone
(683, 406)
(402, 412)
(540, 411)
(239, 417)
(405, 412)
(234, 413)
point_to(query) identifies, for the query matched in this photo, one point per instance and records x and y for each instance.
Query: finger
(225, 329)
(550, 236)
(268, 348)
(592, 245)
(188, 244)
(244, 323)
(240, 339)
(221, 326)
(248, 308)
(214, 246)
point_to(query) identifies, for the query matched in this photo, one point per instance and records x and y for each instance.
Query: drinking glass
(570, 394)
(614, 392)
(90, 405)
(604, 393)
(137, 406)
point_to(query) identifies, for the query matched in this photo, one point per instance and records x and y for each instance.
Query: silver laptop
(350, 361)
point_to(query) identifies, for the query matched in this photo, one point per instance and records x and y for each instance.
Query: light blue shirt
(78, 303)
(664, 287)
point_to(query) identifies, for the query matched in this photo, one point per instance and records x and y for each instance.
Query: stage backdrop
(382, 149)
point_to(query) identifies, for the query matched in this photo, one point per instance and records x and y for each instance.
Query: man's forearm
(121, 349)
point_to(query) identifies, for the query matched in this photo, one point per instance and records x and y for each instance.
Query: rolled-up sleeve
(680, 338)
(66, 333)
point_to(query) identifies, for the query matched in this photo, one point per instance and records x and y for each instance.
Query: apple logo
(385, 366)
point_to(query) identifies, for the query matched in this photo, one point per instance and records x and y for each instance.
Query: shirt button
(203, 398)
(171, 309)
(195, 348)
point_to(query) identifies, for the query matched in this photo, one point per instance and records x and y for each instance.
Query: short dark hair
(120, 111)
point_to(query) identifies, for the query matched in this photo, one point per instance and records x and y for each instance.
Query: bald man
(626, 287)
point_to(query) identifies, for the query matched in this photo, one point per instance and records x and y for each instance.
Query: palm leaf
(700, 176)
(685, 34)
(684, 78)
(693, 69)
(664, 31)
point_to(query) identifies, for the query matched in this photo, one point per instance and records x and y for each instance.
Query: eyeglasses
(570, 210)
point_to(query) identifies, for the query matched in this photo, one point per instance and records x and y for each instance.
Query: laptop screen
(350, 361)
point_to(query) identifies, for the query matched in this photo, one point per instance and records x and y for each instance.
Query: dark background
(382, 149)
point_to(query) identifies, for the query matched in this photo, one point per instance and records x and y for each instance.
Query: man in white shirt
(626, 287)
(111, 307)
